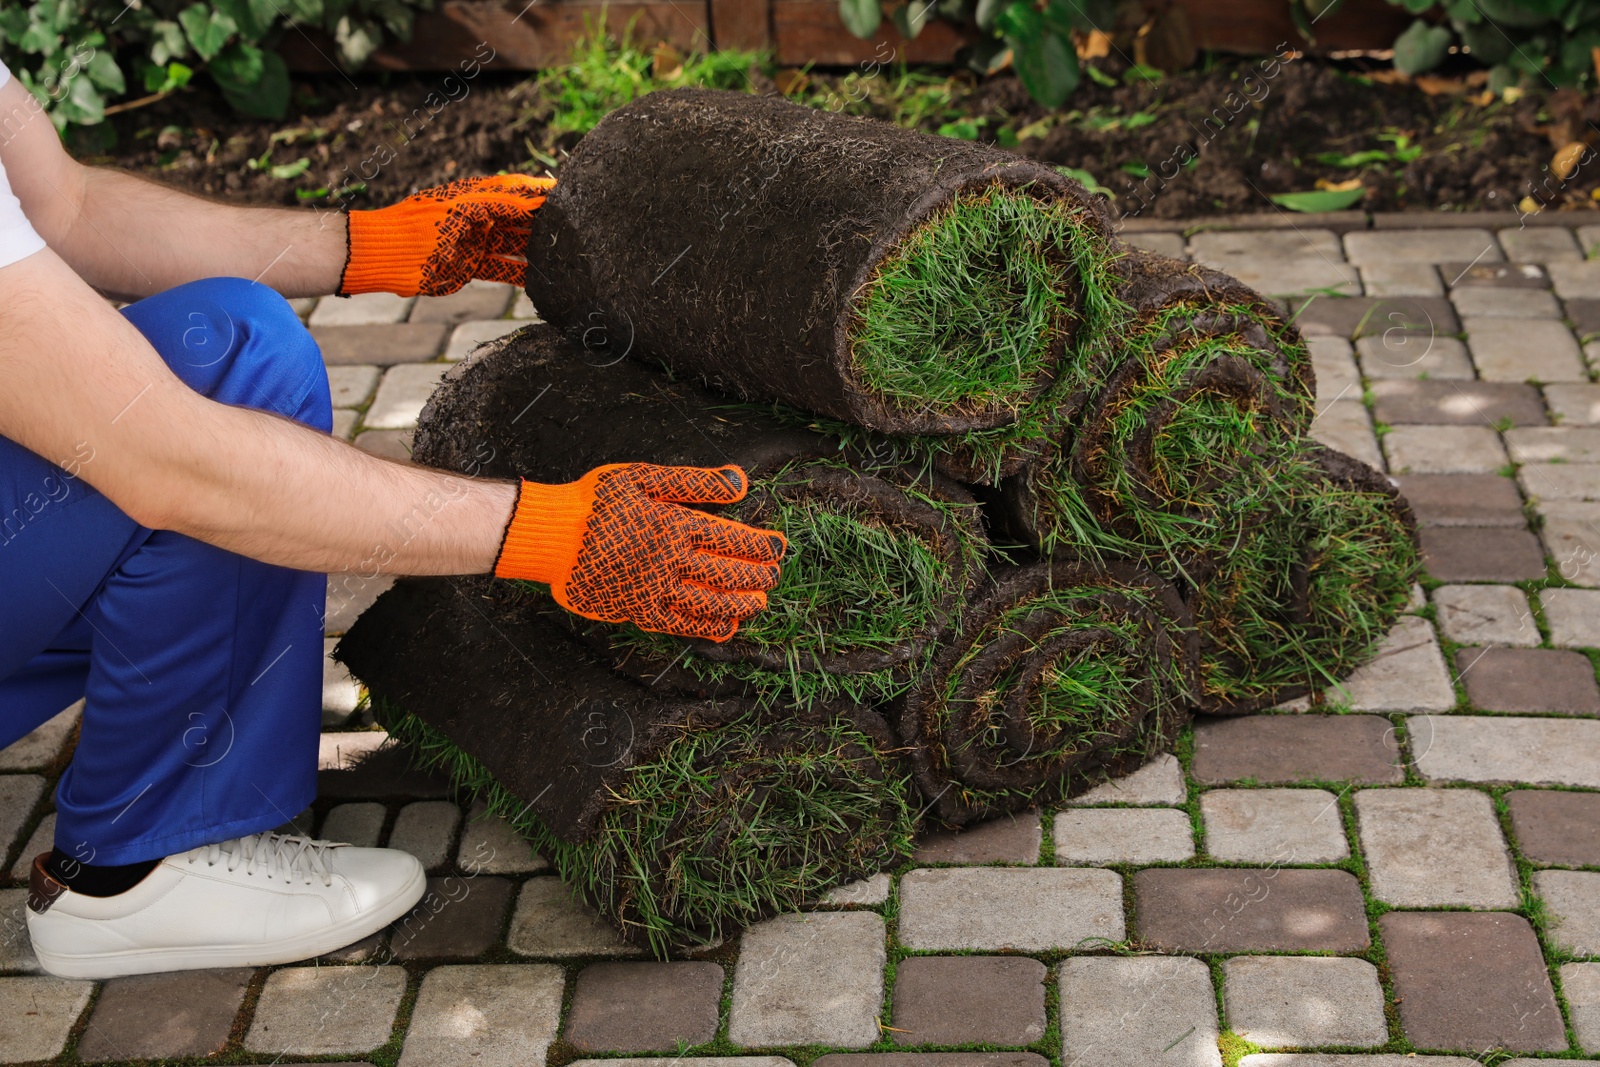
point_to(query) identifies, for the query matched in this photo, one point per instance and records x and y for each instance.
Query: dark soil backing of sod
(532, 406)
(733, 237)
(680, 821)
(1305, 598)
(1104, 480)
(1060, 674)
(476, 661)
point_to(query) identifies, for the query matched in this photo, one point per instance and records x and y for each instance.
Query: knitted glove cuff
(546, 532)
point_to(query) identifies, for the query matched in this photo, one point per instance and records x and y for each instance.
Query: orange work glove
(618, 546)
(436, 241)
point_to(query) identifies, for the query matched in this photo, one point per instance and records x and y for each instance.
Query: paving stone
(1479, 302)
(354, 766)
(1574, 404)
(1544, 444)
(344, 423)
(36, 1015)
(390, 444)
(1589, 241)
(41, 840)
(19, 795)
(1580, 982)
(1215, 247)
(959, 1000)
(427, 829)
(302, 305)
(477, 299)
(1132, 1011)
(457, 918)
(484, 1015)
(1500, 748)
(326, 1011)
(809, 979)
(1422, 246)
(1408, 355)
(522, 308)
(1346, 426)
(1499, 276)
(356, 824)
(352, 385)
(1544, 482)
(1529, 680)
(1585, 316)
(1443, 450)
(1008, 839)
(490, 846)
(865, 891)
(1287, 1000)
(16, 947)
(1401, 402)
(644, 1007)
(1462, 499)
(469, 335)
(548, 923)
(1518, 350)
(1485, 614)
(1539, 245)
(1241, 909)
(1435, 848)
(1122, 835)
(897, 1059)
(1281, 826)
(1576, 281)
(384, 346)
(1334, 360)
(1374, 316)
(44, 743)
(1571, 534)
(1159, 781)
(157, 1016)
(1556, 826)
(1481, 554)
(1028, 909)
(721, 1061)
(1407, 674)
(1572, 899)
(1304, 272)
(364, 309)
(340, 692)
(1471, 981)
(1401, 279)
(348, 596)
(401, 395)
(1338, 1059)
(1164, 244)
(1283, 749)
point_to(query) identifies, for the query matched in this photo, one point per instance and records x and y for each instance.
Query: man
(169, 500)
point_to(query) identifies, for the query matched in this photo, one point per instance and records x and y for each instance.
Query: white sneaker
(263, 899)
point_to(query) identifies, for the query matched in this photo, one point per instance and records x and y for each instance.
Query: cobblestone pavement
(1413, 867)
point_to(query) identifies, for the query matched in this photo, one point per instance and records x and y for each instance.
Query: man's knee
(239, 342)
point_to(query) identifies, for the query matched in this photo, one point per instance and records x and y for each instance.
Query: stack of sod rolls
(1046, 497)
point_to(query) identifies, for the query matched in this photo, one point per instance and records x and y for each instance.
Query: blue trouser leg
(201, 669)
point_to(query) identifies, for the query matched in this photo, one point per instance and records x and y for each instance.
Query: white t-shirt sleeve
(18, 238)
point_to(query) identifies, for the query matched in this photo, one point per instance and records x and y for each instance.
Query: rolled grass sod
(678, 820)
(1305, 598)
(1059, 673)
(1177, 420)
(896, 281)
(878, 563)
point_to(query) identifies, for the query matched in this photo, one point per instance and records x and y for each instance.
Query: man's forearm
(134, 238)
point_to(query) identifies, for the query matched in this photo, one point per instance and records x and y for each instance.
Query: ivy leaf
(255, 82)
(987, 10)
(167, 42)
(206, 30)
(910, 18)
(1046, 62)
(1321, 200)
(83, 103)
(1420, 48)
(861, 17)
(357, 39)
(105, 73)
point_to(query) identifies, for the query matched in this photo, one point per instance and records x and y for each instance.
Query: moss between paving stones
(1304, 598)
(1058, 674)
(896, 281)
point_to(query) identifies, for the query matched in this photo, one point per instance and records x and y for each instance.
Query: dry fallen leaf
(1530, 206)
(666, 62)
(1092, 45)
(1483, 99)
(791, 80)
(1565, 161)
(1338, 187)
(1434, 85)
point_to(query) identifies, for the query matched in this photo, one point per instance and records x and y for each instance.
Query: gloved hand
(618, 546)
(435, 241)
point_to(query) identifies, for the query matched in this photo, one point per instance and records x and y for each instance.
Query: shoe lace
(276, 855)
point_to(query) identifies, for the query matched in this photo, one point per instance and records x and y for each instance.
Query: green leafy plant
(1519, 40)
(1035, 36)
(80, 58)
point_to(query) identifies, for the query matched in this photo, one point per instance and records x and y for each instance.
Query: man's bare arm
(133, 238)
(80, 380)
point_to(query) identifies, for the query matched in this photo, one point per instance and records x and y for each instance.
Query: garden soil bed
(381, 131)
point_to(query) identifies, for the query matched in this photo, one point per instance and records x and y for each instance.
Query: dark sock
(96, 880)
